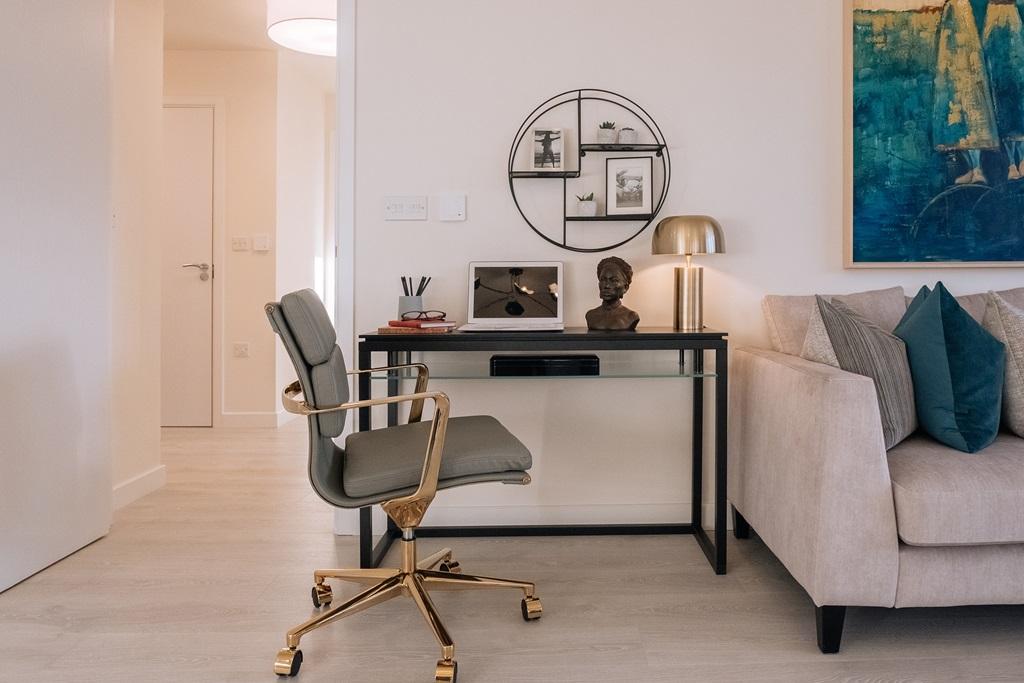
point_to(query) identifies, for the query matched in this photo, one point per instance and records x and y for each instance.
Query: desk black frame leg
(697, 455)
(721, 453)
(715, 552)
(370, 555)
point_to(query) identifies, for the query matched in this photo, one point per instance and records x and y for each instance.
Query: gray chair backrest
(312, 344)
(301, 321)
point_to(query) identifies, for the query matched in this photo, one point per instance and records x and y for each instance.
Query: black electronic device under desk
(545, 366)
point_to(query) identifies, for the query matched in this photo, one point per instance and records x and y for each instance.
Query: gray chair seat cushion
(388, 459)
(945, 497)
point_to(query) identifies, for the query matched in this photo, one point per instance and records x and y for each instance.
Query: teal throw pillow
(958, 370)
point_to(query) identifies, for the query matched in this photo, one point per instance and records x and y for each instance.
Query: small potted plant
(627, 136)
(587, 205)
(606, 133)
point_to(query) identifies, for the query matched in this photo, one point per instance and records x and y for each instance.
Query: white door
(187, 268)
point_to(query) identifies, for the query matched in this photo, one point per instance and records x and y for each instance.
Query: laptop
(515, 297)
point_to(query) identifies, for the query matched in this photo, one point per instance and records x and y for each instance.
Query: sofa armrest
(808, 471)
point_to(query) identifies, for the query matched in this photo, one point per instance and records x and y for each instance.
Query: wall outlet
(240, 349)
(411, 208)
(241, 244)
(261, 242)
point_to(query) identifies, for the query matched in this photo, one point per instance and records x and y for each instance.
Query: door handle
(204, 275)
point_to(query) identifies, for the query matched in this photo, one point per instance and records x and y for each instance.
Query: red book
(414, 330)
(422, 324)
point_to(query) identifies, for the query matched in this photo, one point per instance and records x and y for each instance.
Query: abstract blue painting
(938, 132)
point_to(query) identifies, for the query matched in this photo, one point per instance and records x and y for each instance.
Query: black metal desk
(572, 340)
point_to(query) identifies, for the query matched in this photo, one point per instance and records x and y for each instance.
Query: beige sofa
(921, 525)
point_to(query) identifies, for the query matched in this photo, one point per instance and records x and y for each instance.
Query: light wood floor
(199, 581)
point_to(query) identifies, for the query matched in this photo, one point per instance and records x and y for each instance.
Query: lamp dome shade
(685, 235)
(308, 26)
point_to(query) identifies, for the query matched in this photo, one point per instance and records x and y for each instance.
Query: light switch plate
(261, 242)
(405, 208)
(453, 206)
(241, 244)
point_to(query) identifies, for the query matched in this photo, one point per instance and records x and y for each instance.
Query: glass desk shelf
(476, 365)
(446, 371)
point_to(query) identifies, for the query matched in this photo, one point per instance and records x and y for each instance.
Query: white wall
(135, 248)
(750, 97)
(246, 83)
(55, 218)
(305, 83)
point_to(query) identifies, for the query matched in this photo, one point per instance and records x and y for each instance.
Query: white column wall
(135, 248)
(304, 83)
(55, 338)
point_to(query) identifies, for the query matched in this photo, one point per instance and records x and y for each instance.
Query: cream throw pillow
(1005, 322)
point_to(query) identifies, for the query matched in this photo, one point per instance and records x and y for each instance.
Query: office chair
(401, 468)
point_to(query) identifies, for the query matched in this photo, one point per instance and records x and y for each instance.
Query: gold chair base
(415, 579)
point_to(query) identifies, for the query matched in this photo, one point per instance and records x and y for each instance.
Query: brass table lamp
(686, 236)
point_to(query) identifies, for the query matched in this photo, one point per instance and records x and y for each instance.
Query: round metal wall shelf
(578, 99)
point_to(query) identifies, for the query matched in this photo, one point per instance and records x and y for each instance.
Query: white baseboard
(138, 486)
(254, 420)
(346, 522)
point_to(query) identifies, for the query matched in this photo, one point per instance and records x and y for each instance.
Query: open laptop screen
(515, 292)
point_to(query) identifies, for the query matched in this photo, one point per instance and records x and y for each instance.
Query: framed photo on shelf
(628, 185)
(547, 151)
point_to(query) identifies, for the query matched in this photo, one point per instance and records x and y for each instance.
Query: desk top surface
(707, 333)
(570, 334)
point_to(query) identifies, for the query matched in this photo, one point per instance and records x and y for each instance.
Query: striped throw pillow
(839, 337)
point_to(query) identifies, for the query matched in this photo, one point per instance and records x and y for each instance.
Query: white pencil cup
(409, 303)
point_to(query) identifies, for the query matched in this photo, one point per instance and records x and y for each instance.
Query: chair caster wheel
(446, 672)
(532, 609)
(450, 567)
(322, 595)
(288, 662)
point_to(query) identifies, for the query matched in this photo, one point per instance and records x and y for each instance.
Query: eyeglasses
(424, 315)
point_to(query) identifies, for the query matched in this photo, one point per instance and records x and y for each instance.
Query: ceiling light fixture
(309, 26)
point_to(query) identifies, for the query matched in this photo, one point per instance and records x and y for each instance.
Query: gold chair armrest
(407, 511)
(422, 377)
(293, 404)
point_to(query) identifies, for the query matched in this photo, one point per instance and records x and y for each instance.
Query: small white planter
(588, 209)
(627, 136)
(606, 136)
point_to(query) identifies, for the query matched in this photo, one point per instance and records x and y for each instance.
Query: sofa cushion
(945, 497)
(957, 368)
(1006, 323)
(789, 316)
(837, 336)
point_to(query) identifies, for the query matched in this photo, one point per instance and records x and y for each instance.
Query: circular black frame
(577, 97)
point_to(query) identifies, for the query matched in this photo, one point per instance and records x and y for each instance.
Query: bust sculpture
(613, 279)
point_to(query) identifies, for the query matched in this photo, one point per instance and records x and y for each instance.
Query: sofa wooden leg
(830, 628)
(740, 527)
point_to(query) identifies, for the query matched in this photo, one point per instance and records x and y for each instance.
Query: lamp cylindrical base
(689, 299)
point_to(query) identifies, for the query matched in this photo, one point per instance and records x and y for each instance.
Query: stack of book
(418, 327)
